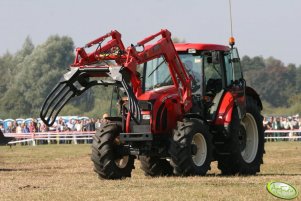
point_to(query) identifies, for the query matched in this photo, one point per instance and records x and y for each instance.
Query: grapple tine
(60, 107)
(59, 104)
(50, 98)
(55, 102)
(59, 96)
(72, 84)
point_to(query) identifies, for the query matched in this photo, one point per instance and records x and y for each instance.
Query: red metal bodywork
(176, 99)
(83, 58)
(200, 46)
(166, 97)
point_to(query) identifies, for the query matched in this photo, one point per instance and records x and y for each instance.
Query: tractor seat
(214, 86)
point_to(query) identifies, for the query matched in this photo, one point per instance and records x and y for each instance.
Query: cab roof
(200, 46)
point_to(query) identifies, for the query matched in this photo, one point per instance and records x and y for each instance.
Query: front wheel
(191, 148)
(108, 162)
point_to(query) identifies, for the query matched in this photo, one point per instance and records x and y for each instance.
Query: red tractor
(181, 107)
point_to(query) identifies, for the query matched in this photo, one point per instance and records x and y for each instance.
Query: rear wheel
(191, 148)
(246, 146)
(108, 162)
(154, 166)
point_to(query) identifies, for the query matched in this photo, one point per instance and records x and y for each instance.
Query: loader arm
(163, 47)
(112, 50)
(86, 65)
(124, 74)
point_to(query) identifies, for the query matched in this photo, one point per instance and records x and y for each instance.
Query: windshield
(193, 65)
(156, 74)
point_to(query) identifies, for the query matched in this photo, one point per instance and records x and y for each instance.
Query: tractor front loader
(181, 107)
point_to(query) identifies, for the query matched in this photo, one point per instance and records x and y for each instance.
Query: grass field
(64, 172)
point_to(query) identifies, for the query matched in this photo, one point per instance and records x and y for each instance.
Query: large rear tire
(108, 163)
(154, 166)
(246, 145)
(191, 148)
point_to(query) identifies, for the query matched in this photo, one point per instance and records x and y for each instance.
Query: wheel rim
(251, 138)
(199, 157)
(122, 162)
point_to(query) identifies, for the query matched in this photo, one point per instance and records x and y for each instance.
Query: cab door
(234, 79)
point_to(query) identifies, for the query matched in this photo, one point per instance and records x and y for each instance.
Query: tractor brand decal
(282, 190)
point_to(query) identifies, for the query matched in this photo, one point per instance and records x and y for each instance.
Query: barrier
(292, 135)
(283, 131)
(50, 137)
(76, 136)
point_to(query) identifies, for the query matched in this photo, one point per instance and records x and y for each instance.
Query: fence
(286, 134)
(86, 136)
(51, 137)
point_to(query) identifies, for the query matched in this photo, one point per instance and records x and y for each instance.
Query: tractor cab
(214, 70)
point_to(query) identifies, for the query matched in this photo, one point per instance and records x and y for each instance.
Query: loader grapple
(72, 84)
(76, 82)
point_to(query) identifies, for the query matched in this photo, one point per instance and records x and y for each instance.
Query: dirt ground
(64, 172)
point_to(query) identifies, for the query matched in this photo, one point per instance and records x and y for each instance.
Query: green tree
(10, 66)
(26, 50)
(38, 74)
(274, 84)
(272, 62)
(298, 79)
(13, 105)
(252, 63)
(6, 66)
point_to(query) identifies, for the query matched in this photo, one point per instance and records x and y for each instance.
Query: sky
(261, 27)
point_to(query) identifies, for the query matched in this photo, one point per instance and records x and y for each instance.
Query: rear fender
(251, 92)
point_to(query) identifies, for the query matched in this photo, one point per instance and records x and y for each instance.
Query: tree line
(278, 85)
(28, 76)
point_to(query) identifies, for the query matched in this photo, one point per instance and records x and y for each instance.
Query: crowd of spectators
(287, 123)
(61, 125)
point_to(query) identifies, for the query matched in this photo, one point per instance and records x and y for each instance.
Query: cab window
(156, 74)
(228, 68)
(235, 61)
(213, 72)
